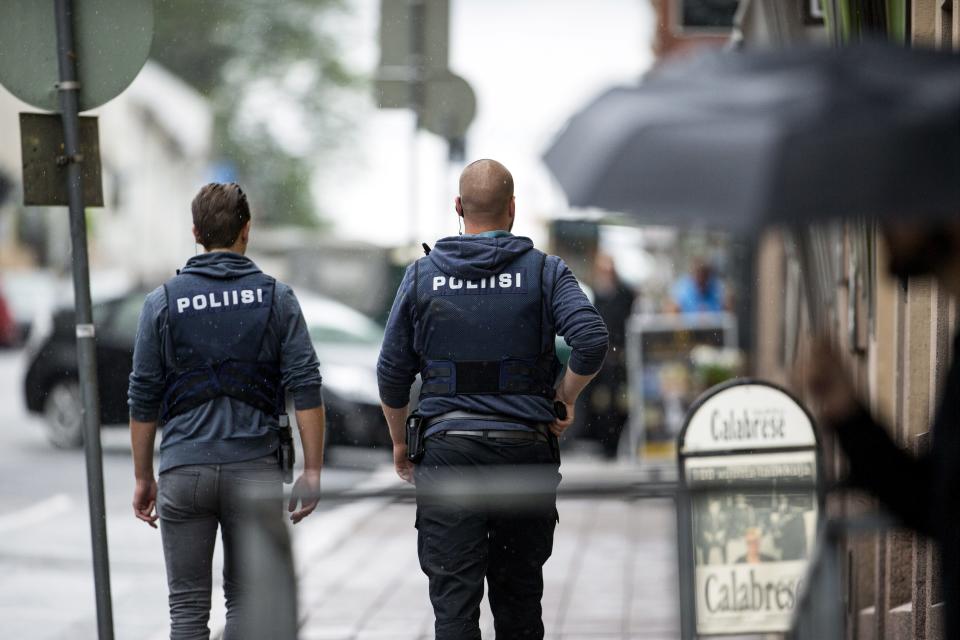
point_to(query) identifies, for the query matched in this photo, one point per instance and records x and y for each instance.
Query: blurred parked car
(347, 343)
(51, 382)
(30, 294)
(9, 332)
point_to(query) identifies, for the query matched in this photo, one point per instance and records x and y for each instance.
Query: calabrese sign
(748, 454)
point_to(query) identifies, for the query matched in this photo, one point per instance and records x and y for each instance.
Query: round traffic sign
(112, 39)
(449, 105)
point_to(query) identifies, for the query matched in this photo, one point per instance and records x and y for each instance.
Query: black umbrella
(738, 140)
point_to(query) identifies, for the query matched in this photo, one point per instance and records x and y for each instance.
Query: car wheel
(63, 415)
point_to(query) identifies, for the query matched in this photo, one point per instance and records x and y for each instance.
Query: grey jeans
(192, 501)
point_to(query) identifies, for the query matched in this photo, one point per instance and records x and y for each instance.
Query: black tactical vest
(217, 327)
(484, 336)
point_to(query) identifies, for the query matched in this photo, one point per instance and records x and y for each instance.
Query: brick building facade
(897, 340)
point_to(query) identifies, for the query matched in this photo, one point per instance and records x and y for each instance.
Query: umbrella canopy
(739, 140)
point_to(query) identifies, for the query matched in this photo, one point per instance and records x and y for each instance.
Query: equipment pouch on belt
(286, 452)
(415, 429)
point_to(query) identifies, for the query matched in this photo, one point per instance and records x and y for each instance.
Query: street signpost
(56, 58)
(750, 466)
(414, 40)
(413, 74)
(41, 149)
(112, 38)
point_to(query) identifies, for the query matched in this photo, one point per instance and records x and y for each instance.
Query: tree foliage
(275, 77)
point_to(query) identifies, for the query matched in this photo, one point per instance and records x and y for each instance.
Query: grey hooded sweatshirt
(568, 313)
(222, 430)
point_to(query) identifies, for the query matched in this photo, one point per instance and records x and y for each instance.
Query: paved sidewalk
(613, 573)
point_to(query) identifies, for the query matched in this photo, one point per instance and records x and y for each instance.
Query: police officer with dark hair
(477, 318)
(216, 347)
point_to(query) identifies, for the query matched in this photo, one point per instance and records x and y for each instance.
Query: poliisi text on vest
(217, 299)
(499, 281)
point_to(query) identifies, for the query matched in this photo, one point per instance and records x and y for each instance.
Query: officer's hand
(558, 426)
(145, 501)
(402, 464)
(306, 491)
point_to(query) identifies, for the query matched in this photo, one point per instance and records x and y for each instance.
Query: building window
(812, 11)
(706, 15)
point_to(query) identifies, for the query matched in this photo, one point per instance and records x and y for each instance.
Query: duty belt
(539, 433)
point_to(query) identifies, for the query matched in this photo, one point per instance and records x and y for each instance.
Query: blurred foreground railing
(271, 605)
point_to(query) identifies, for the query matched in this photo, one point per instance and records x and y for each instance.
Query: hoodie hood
(477, 257)
(222, 265)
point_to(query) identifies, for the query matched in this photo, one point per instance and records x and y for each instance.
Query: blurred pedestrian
(713, 533)
(606, 397)
(923, 491)
(216, 347)
(742, 516)
(788, 530)
(699, 291)
(477, 318)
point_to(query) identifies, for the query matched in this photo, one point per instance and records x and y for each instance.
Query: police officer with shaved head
(217, 347)
(477, 318)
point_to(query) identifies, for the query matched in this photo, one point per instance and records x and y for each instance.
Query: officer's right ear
(458, 205)
(196, 235)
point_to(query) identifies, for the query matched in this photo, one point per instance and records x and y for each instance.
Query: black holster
(286, 454)
(416, 426)
(560, 410)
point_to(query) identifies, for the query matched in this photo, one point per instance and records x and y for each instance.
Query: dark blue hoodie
(223, 430)
(567, 312)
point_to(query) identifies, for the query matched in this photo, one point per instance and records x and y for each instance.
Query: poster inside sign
(751, 546)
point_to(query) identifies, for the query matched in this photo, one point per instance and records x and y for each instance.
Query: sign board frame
(786, 572)
(396, 33)
(414, 48)
(641, 326)
(41, 146)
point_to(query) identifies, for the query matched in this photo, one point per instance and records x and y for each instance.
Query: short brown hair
(220, 211)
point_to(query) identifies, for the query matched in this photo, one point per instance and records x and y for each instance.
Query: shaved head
(486, 190)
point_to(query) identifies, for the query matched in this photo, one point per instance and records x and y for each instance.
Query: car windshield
(370, 333)
(330, 322)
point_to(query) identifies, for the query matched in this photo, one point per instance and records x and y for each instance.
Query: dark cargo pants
(460, 545)
(192, 501)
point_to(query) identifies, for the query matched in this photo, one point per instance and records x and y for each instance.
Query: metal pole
(635, 382)
(69, 89)
(418, 15)
(269, 607)
(687, 576)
